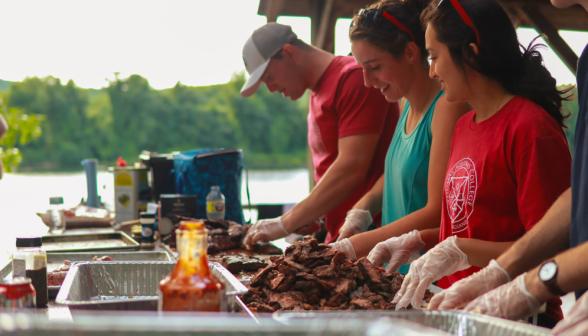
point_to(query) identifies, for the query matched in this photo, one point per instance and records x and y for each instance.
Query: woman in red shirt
(509, 159)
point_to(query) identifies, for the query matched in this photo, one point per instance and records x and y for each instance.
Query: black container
(160, 166)
(170, 207)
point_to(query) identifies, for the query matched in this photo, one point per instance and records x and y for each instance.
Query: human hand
(397, 251)
(346, 247)
(467, 289)
(510, 301)
(576, 323)
(442, 260)
(265, 230)
(357, 221)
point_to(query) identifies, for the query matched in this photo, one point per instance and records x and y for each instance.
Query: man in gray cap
(350, 126)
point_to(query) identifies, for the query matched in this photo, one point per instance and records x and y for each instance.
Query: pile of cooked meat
(313, 276)
(56, 277)
(226, 235)
(237, 263)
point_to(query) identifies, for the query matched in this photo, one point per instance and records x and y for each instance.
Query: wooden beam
(557, 43)
(274, 9)
(324, 23)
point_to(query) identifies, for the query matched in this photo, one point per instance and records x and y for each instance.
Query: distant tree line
(129, 116)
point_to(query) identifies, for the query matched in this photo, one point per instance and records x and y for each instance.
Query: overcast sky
(165, 41)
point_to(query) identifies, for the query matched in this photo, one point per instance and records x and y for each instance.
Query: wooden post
(558, 44)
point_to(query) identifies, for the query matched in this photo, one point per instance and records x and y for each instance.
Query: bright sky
(164, 41)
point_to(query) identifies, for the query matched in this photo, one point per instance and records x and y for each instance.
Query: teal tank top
(406, 172)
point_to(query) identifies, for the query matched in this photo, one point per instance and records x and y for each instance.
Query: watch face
(548, 271)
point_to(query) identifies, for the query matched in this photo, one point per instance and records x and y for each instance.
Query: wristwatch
(548, 275)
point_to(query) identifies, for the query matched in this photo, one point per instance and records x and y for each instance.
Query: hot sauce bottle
(191, 286)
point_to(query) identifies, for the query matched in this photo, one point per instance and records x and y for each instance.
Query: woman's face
(451, 76)
(391, 75)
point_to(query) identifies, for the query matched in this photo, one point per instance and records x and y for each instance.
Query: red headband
(466, 19)
(399, 25)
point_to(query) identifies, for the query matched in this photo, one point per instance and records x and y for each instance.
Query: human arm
(340, 180)
(360, 216)
(445, 117)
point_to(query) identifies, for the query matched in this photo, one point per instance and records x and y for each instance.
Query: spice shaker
(30, 260)
(147, 232)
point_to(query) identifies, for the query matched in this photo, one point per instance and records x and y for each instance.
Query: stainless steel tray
(127, 285)
(87, 242)
(55, 260)
(453, 322)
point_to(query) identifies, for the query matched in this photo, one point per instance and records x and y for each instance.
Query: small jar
(147, 231)
(30, 260)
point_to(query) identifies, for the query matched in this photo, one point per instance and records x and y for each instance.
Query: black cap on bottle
(29, 242)
(146, 215)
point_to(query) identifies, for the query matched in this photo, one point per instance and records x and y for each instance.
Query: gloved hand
(576, 323)
(357, 221)
(467, 289)
(346, 247)
(397, 251)
(510, 301)
(442, 260)
(265, 230)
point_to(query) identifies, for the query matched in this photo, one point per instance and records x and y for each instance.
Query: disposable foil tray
(127, 285)
(86, 242)
(55, 261)
(453, 322)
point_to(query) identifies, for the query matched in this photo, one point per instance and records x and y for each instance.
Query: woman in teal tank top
(388, 41)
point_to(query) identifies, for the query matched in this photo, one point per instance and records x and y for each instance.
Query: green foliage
(129, 116)
(22, 129)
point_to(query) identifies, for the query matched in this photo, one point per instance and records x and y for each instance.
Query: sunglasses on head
(370, 16)
(464, 16)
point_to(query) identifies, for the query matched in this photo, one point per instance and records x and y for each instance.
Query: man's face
(285, 75)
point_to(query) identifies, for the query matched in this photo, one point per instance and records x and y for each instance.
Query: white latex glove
(510, 301)
(346, 247)
(442, 260)
(357, 221)
(397, 251)
(265, 230)
(467, 289)
(576, 321)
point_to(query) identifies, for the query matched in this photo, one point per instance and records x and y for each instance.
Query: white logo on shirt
(460, 193)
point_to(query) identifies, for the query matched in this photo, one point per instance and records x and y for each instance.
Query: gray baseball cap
(264, 43)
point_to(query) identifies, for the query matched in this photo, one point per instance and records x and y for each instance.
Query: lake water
(22, 195)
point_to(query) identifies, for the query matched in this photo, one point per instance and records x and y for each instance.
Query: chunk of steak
(345, 286)
(368, 270)
(325, 271)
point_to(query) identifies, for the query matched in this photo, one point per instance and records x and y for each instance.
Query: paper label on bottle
(19, 268)
(215, 207)
(39, 261)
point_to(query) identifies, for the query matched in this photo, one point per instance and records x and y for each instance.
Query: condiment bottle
(30, 254)
(148, 230)
(215, 204)
(191, 286)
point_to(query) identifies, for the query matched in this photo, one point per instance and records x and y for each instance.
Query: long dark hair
(501, 57)
(388, 37)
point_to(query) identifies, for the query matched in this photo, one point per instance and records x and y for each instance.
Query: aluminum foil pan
(452, 322)
(127, 285)
(156, 324)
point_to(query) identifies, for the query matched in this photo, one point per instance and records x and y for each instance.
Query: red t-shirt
(503, 175)
(341, 106)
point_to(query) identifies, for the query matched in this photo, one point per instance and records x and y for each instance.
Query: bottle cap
(29, 242)
(146, 215)
(55, 200)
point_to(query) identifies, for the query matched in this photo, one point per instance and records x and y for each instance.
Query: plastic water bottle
(215, 204)
(57, 213)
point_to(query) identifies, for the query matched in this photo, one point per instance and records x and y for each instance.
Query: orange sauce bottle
(191, 286)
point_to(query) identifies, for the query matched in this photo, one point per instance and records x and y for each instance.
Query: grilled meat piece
(312, 276)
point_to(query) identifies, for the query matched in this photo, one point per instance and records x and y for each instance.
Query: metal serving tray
(55, 260)
(87, 242)
(453, 322)
(128, 285)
